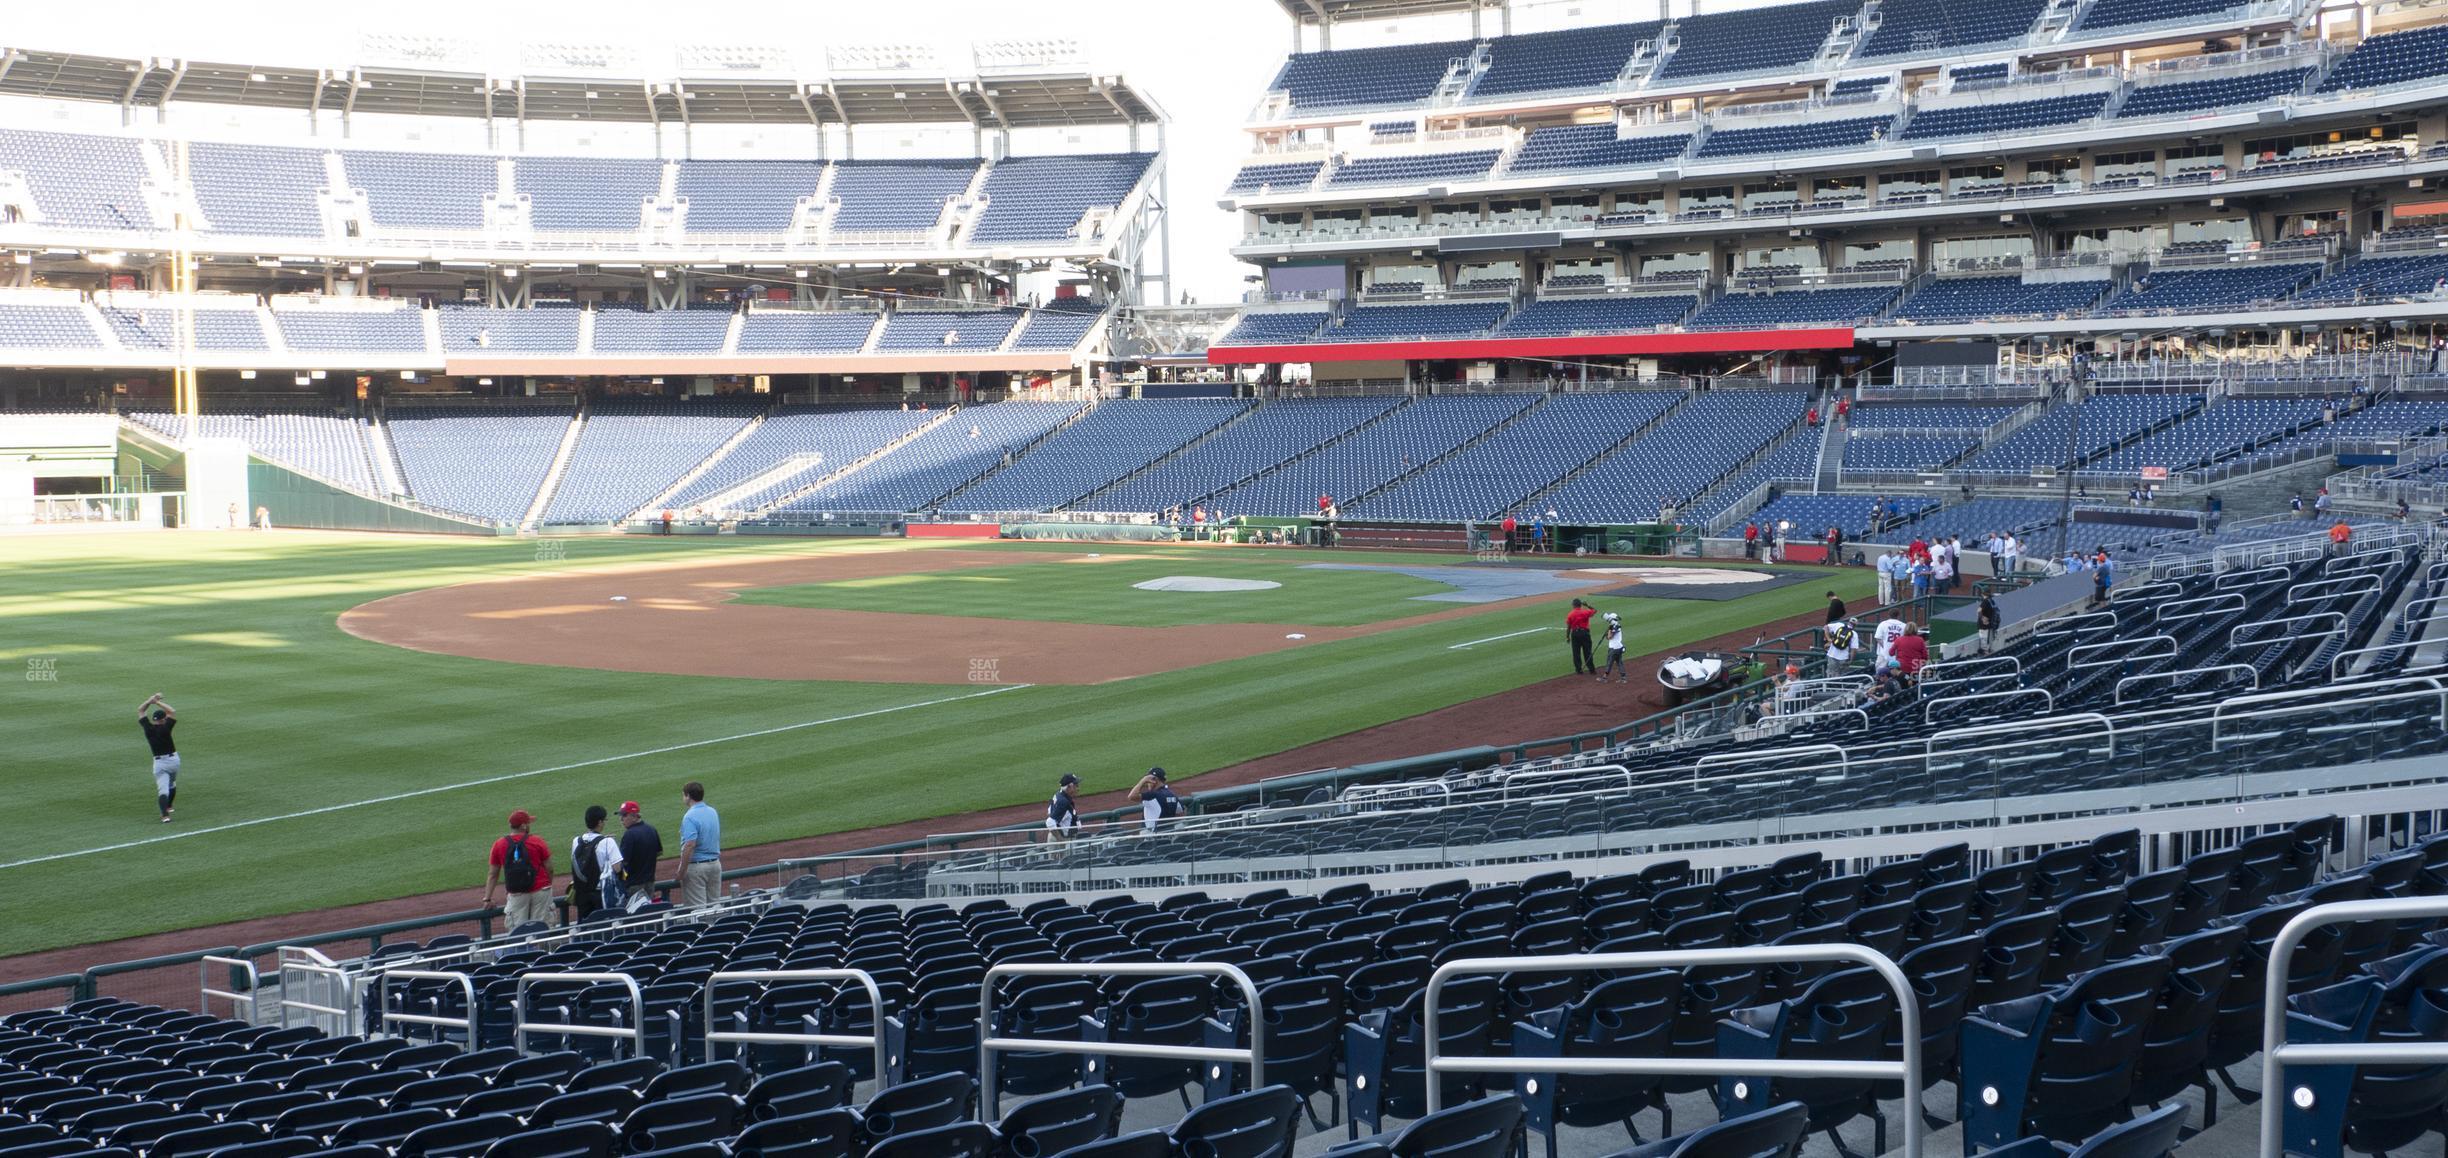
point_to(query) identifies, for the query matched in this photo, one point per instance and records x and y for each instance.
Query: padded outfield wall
(296, 501)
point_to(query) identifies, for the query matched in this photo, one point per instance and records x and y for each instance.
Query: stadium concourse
(2152, 289)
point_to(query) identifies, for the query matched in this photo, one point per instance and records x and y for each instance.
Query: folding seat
(603, 1104)
(2150, 902)
(1680, 903)
(1487, 1128)
(520, 1101)
(1155, 1011)
(724, 1077)
(380, 1086)
(385, 1130)
(2235, 1032)
(557, 1068)
(2084, 925)
(2152, 1135)
(324, 1119)
(680, 1121)
(2014, 953)
(467, 1136)
(1304, 1040)
(1138, 1144)
(1628, 1016)
(2003, 892)
(631, 1073)
(1420, 938)
(1766, 918)
(1258, 1124)
(1046, 1008)
(1384, 1052)
(822, 1086)
(2060, 1063)
(1940, 912)
(1842, 1017)
(100, 1121)
(222, 1095)
(2275, 863)
(1381, 985)
(288, 1147)
(2178, 1040)
(578, 1140)
(1776, 1132)
(920, 1105)
(1053, 1123)
(2368, 1109)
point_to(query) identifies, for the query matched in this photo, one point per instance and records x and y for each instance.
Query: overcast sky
(1205, 61)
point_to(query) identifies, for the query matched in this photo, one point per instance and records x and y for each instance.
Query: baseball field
(357, 713)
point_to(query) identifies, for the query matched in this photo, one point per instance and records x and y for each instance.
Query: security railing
(385, 1017)
(244, 983)
(810, 1041)
(1254, 1056)
(634, 1033)
(2277, 1054)
(1906, 1069)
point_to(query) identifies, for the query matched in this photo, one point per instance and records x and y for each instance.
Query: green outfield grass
(1102, 591)
(322, 769)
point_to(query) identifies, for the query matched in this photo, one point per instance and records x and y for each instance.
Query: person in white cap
(1614, 643)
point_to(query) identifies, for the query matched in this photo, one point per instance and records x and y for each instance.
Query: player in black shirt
(640, 847)
(157, 718)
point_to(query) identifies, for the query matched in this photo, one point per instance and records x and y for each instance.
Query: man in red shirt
(1751, 539)
(522, 864)
(1324, 501)
(1508, 525)
(1577, 629)
(1911, 651)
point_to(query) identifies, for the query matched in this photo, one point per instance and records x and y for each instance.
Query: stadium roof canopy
(1008, 92)
(1338, 11)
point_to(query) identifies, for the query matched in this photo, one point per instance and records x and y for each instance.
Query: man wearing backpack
(522, 865)
(595, 868)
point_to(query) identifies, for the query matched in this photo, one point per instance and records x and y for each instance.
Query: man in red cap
(522, 865)
(640, 847)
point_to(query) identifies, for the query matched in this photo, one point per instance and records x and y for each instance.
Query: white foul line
(1455, 647)
(410, 795)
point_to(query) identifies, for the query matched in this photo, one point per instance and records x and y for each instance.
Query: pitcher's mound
(1204, 583)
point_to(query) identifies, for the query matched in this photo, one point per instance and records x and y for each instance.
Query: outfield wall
(296, 501)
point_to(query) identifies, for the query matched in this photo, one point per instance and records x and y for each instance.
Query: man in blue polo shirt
(700, 848)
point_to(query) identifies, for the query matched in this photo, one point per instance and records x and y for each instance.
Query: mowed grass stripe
(1104, 590)
(327, 718)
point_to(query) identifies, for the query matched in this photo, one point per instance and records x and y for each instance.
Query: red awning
(1474, 349)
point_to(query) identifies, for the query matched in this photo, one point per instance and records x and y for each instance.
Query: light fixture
(484, 381)
(301, 379)
(246, 375)
(22, 258)
(356, 270)
(103, 257)
(510, 274)
(318, 375)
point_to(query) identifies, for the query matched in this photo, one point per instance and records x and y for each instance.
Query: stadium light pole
(2073, 450)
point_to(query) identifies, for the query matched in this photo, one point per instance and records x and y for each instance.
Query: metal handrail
(2196, 608)
(1944, 671)
(1505, 786)
(2336, 671)
(2032, 729)
(2276, 1054)
(866, 980)
(332, 975)
(2332, 588)
(636, 1033)
(2255, 577)
(1906, 1070)
(239, 998)
(2326, 697)
(1254, 1057)
(2073, 624)
(1844, 760)
(2247, 669)
(2048, 700)
(2139, 645)
(2337, 627)
(383, 1017)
